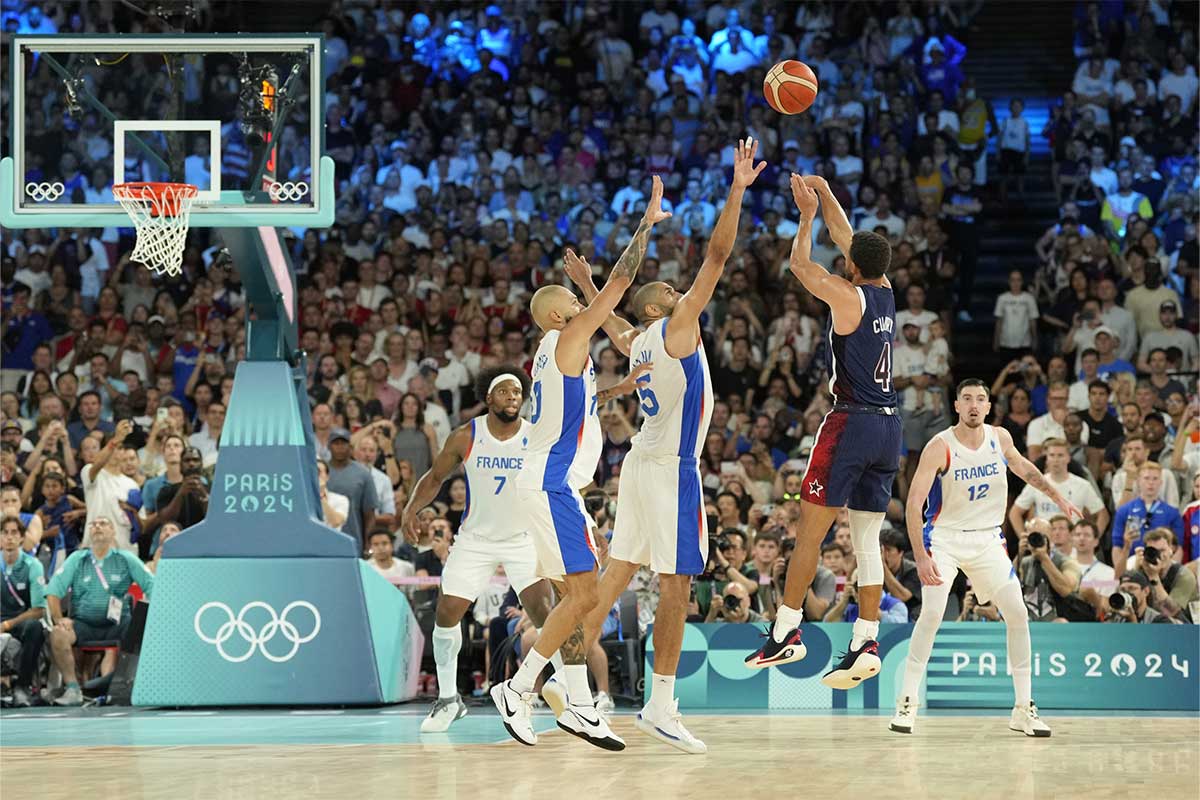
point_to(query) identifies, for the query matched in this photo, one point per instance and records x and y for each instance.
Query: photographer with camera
(1172, 586)
(1046, 576)
(891, 609)
(1142, 514)
(726, 564)
(733, 605)
(1130, 602)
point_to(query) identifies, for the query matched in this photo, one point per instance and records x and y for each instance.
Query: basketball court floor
(134, 753)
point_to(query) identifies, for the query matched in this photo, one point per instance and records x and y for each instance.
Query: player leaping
(964, 474)
(857, 451)
(660, 510)
(560, 458)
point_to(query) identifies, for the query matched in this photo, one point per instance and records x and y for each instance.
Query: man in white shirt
(1181, 81)
(1079, 398)
(1032, 503)
(1016, 316)
(1117, 317)
(849, 167)
(1102, 175)
(916, 313)
(1050, 425)
(921, 403)
(208, 439)
(627, 196)
(1094, 90)
(1094, 572)
(107, 491)
(947, 119)
(366, 452)
(694, 200)
(1134, 454)
(382, 561)
(883, 216)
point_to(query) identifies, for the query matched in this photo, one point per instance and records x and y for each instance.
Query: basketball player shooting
(956, 505)
(561, 456)
(660, 510)
(857, 452)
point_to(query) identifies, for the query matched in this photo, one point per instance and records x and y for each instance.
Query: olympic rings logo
(287, 190)
(39, 192)
(258, 639)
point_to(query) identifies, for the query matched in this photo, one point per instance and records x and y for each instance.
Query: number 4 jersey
(971, 492)
(676, 397)
(564, 439)
(861, 373)
(491, 467)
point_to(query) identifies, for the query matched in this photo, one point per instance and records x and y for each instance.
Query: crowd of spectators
(474, 143)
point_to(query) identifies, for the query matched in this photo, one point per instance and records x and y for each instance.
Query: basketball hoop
(160, 213)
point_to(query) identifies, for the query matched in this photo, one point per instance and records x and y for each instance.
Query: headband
(503, 378)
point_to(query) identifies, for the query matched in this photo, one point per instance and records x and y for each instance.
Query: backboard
(241, 116)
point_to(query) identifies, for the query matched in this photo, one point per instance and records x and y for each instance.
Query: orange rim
(162, 198)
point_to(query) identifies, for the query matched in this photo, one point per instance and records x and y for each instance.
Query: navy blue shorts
(854, 461)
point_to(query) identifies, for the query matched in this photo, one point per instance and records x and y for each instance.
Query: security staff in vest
(98, 579)
(22, 604)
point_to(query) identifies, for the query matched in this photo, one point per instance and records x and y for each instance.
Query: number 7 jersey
(676, 396)
(565, 439)
(491, 468)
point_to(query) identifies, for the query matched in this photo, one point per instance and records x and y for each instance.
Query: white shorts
(473, 561)
(660, 515)
(561, 529)
(982, 555)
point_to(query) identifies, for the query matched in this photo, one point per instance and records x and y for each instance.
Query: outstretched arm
(841, 295)
(619, 330)
(685, 320)
(832, 212)
(452, 454)
(578, 332)
(1025, 469)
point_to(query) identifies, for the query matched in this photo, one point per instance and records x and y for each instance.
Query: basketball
(790, 87)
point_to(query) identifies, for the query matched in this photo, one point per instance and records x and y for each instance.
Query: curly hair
(486, 376)
(871, 253)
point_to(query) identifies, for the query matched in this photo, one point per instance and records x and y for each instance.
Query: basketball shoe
(444, 713)
(774, 653)
(554, 692)
(906, 716)
(586, 723)
(855, 667)
(666, 725)
(1025, 720)
(516, 712)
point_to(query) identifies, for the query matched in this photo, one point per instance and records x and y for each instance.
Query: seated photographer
(845, 609)
(726, 563)
(1130, 602)
(974, 611)
(733, 605)
(1046, 576)
(1172, 586)
(22, 603)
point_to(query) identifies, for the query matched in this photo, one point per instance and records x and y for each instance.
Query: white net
(160, 213)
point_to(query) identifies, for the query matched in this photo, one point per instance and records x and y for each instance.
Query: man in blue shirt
(1140, 515)
(22, 603)
(26, 329)
(98, 579)
(1106, 347)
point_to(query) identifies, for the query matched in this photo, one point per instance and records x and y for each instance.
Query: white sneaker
(605, 705)
(71, 696)
(554, 692)
(587, 724)
(906, 716)
(1025, 720)
(444, 713)
(666, 725)
(516, 712)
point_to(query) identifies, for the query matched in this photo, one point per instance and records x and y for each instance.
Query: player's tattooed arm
(1027, 471)
(579, 271)
(625, 387)
(573, 650)
(630, 262)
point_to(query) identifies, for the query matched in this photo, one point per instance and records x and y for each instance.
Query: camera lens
(1037, 540)
(732, 603)
(1118, 600)
(1150, 555)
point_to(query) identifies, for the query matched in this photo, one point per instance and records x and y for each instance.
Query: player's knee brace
(864, 535)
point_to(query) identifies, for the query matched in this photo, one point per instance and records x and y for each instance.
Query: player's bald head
(552, 307)
(654, 301)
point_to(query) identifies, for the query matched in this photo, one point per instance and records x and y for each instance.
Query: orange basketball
(790, 87)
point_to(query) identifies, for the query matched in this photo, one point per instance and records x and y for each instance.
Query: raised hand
(816, 182)
(744, 171)
(806, 199)
(654, 213)
(576, 266)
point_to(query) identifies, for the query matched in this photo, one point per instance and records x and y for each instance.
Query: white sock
(864, 631)
(527, 675)
(1011, 604)
(662, 691)
(446, 644)
(920, 645)
(556, 661)
(579, 692)
(786, 618)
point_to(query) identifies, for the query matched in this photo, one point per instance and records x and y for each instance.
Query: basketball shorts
(473, 562)
(660, 515)
(561, 530)
(982, 555)
(854, 461)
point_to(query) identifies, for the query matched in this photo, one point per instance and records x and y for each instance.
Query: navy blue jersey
(862, 361)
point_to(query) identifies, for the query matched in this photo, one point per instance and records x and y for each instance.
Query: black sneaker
(774, 653)
(855, 667)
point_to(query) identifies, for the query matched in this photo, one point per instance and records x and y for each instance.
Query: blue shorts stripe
(688, 558)
(571, 531)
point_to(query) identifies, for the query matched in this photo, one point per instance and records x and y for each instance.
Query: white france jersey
(565, 439)
(491, 469)
(971, 493)
(676, 395)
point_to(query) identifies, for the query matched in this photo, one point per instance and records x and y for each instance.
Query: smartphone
(161, 414)
(728, 467)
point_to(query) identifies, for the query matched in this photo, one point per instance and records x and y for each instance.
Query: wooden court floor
(948, 757)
